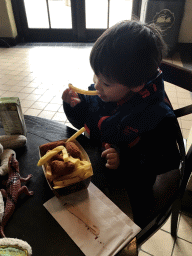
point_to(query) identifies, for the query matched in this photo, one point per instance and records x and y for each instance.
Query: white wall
(185, 34)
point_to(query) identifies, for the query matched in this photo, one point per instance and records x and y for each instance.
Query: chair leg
(174, 217)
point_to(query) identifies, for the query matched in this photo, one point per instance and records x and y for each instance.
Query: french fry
(85, 164)
(75, 89)
(74, 136)
(75, 173)
(82, 171)
(87, 175)
(65, 155)
(48, 173)
(82, 168)
(71, 181)
(73, 160)
(82, 174)
(64, 183)
(49, 155)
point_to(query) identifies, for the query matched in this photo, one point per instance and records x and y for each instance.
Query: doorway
(70, 20)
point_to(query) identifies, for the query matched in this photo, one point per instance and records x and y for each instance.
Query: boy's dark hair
(128, 53)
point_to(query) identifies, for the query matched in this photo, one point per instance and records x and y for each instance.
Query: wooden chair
(169, 187)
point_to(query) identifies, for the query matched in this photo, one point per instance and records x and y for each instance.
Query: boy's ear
(138, 88)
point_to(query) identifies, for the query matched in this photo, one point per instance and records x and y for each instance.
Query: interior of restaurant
(44, 45)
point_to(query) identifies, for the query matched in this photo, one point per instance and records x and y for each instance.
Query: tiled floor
(38, 74)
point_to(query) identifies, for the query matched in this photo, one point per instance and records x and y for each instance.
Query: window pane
(96, 12)
(60, 13)
(119, 10)
(36, 12)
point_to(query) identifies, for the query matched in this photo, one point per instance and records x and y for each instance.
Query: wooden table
(31, 222)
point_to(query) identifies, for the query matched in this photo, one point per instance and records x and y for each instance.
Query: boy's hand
(112, 157)
(71, 97)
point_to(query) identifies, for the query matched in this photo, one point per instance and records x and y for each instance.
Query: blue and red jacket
(124, 123)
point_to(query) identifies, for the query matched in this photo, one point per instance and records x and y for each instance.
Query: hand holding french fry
(71, 97)
(81, 91)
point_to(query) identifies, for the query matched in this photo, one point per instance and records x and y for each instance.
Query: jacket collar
(150, 88)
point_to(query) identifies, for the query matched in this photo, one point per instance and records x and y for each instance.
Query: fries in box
(66, 166)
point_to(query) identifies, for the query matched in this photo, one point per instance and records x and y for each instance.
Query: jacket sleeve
(76, 115)
(155, 153)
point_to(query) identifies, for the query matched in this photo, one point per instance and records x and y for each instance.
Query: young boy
(131, 118)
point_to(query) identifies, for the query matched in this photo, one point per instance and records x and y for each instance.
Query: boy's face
(110, 91)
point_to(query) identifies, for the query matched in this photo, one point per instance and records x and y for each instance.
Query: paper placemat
(116, 229)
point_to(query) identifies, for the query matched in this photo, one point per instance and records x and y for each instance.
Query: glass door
(48, 20)
(49, 14)
(102, 14)
(70, 20)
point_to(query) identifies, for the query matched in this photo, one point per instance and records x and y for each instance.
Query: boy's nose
(97, 86)
(97, 82)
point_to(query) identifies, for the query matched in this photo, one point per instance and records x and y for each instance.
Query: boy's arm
(75, 113)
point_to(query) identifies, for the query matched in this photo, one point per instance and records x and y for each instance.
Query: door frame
(78, 33)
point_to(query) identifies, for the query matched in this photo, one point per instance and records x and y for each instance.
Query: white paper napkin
(116, 228)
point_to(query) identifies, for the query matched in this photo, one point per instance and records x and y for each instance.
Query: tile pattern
(38, 73)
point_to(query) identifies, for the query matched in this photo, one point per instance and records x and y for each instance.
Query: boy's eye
(107, 85)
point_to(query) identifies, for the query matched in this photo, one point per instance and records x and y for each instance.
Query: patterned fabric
(141, 127)
(126, 120)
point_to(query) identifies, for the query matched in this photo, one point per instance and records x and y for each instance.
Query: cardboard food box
(73, 187)
(11, 116)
